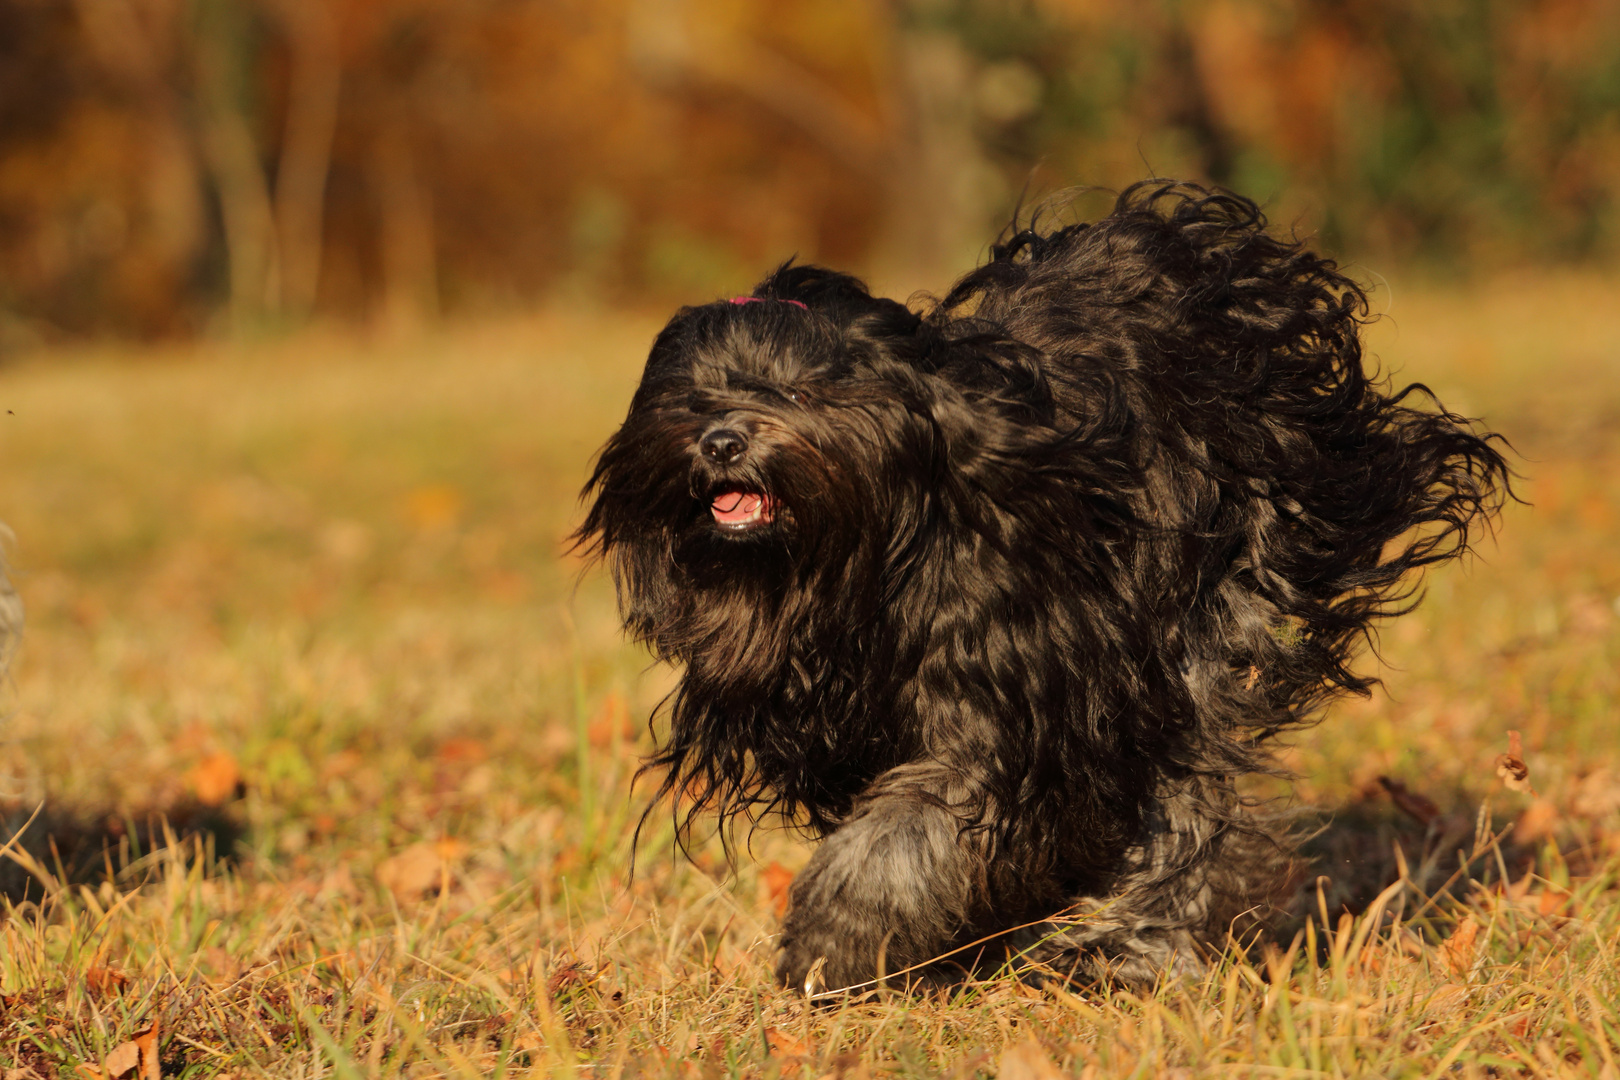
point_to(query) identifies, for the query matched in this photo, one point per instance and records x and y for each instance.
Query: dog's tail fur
(1286, 499)
(1231, 362)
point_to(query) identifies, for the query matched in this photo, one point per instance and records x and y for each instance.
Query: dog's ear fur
(985, 394)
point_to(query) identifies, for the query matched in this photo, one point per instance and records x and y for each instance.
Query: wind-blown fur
(1038, 574)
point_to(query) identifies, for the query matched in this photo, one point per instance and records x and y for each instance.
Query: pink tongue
(735, 507)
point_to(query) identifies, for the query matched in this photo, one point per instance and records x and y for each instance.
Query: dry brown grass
(336, 565)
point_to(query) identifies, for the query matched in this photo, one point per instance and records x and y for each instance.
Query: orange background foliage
(167, 166)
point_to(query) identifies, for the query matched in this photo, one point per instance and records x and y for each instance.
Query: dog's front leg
(887, 892)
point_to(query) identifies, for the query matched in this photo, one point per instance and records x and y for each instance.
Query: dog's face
(742, 415)
(765, 442)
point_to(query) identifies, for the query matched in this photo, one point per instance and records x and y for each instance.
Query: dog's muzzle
(737, 506)
(724, 446)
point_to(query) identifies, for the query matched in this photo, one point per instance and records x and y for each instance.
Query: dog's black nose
(724, 446)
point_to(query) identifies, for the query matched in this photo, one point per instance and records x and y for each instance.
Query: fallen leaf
(341, 763)
(121, 1059)
(461, 749)
(775, 881)
(1415, 803)
(1537, 822)
(1590, 615)
(220, 967)
(147, 1042)
(137, 1058)
(1597, 795)
(783, 1044)
(418, 869)
(1409, 943)
(215, 780)
(106, 981)
(1448, 995)
(1552, 902)
(433, 507)
(1516, 891)
(847, 1066)
(1026, 1061)
(787, 1049)
(1254, 677)
(1459, 949)
(1511, 768)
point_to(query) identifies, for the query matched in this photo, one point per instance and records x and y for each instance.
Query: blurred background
(176, 167)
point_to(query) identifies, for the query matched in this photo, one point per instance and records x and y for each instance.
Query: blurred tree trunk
(938, 188)
(136, 49)
(405, 209)
(223, 75)
(1189, 106)
(917, 147)
(314, 82)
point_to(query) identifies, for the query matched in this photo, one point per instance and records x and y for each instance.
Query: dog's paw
(824, 952)
(878, 900)
(797, 971)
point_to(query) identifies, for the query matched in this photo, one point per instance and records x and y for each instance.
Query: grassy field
(334, 748)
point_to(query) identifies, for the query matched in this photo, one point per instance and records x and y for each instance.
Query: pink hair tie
(762, 299)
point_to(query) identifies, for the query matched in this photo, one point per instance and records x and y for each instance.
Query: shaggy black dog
(1001, 599)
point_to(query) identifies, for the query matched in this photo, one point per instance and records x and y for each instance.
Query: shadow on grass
(1443, 851)
(54, 847)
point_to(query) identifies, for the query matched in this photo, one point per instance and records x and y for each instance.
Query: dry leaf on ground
(104, 980)
(1598, 794)
(462, 748)
(434, 507)
(215, 780)
(1448, 997)
(137, 1058)
(419, 869)
(1536, 823)
(788, 1049)
(781, 1043)
(1026, 1061)
(1458, 950)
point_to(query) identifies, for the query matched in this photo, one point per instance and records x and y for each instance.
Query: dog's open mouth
(738, 509)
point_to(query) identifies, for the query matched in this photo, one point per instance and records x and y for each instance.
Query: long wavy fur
(1046, 566)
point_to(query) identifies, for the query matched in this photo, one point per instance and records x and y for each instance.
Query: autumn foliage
(165, 164)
